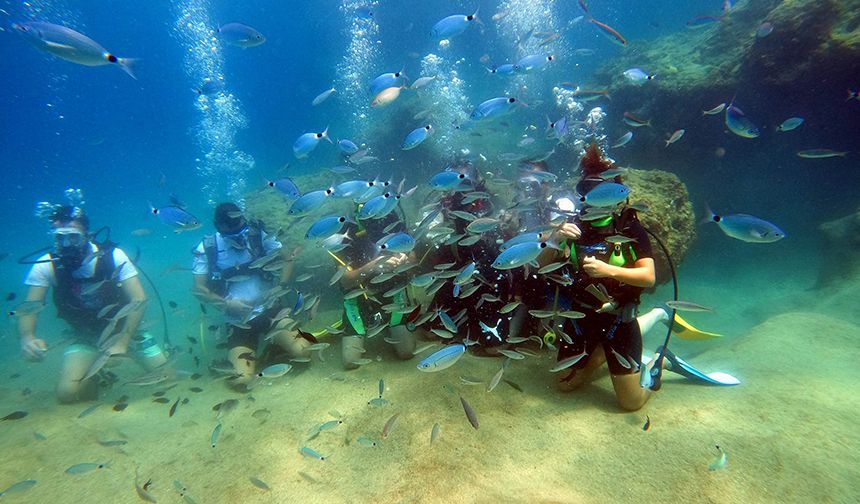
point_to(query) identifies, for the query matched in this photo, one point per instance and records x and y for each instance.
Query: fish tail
(709, 215)
(127, 66)
(326, 136)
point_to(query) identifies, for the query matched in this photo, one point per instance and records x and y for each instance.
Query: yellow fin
(685, 330)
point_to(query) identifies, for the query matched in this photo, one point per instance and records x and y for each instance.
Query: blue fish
(240, 35)
(442, 359)
(373, 206)
(176, 217)
(414, 138)
(746, 227)
(465, 274)
(452, 26)
(347, 146)
(300, 301)
(790, 124)
(396, 243)
(387, 80)
(70, 45)
(738, 123)
(210, 87)
(638, 76)
(310, 201)
(494, 107)
(306, 143)
(388, 207)
(447, 321)
(286, 187)
(520, 254)
(448, 180)
(506, 69)
(351, 188)
(530, 236)
(533, 62)
(607, 194)
(326, 227)
(341, 170)
(557, 129)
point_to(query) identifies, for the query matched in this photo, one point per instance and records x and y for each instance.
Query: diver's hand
(235, 307)
(395, 261)
(33, 348)
(595, 268)
(567, 231)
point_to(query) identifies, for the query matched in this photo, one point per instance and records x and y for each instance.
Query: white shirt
(42, 273)
(248, 291)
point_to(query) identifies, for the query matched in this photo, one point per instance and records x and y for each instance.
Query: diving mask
(69, 237)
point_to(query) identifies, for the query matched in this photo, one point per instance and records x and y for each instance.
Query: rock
(840, 243)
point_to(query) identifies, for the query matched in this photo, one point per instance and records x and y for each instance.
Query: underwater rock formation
(811, 56)
(840, 242)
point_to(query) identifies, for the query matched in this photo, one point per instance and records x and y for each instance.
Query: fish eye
(512, 100)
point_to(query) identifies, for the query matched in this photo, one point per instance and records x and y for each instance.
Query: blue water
(128, 143)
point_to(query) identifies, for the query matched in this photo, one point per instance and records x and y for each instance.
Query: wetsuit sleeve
(642, 245)
(200, 266)
(41, 274)
(124, 265)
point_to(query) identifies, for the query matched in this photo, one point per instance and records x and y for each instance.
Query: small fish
(448, 180)
(323, 96)
(638, 76)
(381, 387)
(286, 187)
(275, 371)
(609, 32)
(452, 26)
(366, 442)
(494, 108)
(378, 402)
(16, 415)
(746, 227)
(240, 35)
(513, 385)
(675, 137)
(739, 124)
(821, 153)
(716, 110)
(442, 359)
(216, 433)
(764, 30)
(21, 486)
(161, 400)
(634, 121)
(606, 194)
(416, 137)
(623, 140)
(470, 413)
(520, 254)
(172, 410)
(533, 62)
(568, 362)
(496, 379)
(420, 82)
(790, 124)
(386, 96)
(719, 462)
(307, 142)
(309, 452)
(434, 433)
(510, 306)
(85, 468)
(389, 425)
(69, 45)
(89, 410)
(177, 218)
(511, 354)
(259, 484)
(688, 306)
(647, 424)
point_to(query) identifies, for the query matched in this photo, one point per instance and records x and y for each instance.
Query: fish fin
(55, 45)
(127, 65)
(709, 215)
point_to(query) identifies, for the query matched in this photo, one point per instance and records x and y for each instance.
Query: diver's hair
(224, 221)
(593, 163)
(69, 213)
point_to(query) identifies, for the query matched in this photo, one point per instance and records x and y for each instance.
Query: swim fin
(685, 330)
(683, 368)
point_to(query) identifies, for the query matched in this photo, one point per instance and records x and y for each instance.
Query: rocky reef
(840, 242)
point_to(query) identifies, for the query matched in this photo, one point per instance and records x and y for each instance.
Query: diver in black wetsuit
(610, 263)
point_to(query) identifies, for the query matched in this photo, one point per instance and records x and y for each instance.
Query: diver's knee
(404, 342)
(632, 403)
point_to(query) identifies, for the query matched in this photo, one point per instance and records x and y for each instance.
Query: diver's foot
(568, 381)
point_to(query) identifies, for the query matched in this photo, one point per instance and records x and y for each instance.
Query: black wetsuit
(617, 331)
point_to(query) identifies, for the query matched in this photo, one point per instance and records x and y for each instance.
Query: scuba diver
(96, 290)
(609, 263)
(364, 262)
(230, 272)
(480, 297)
